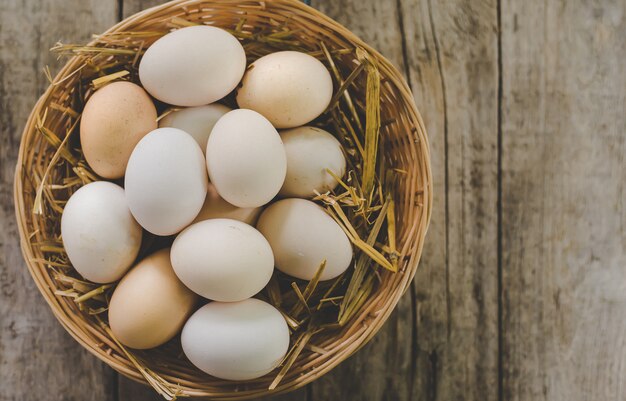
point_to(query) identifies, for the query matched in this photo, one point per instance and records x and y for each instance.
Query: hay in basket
(383, 203)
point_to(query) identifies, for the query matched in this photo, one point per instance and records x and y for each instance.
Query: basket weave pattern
(405, 146)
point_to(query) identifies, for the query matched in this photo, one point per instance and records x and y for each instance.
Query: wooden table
(521, 292)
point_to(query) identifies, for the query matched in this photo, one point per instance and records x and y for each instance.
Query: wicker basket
(406, 148)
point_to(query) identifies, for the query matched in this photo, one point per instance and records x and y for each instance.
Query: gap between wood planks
(499, 209)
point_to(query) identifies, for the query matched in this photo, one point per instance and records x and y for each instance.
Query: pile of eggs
(234, 191)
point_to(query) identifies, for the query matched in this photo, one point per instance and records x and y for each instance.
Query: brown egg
(150, 304)
(114, 119)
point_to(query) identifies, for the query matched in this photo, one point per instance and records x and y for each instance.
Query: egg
(302, 235)
(99, 233)
(166, 181)
(114, 119)
(236, 340)
(215, 207)
(310, 152)
(150, 305)
(193, 66)
(196, 121)
(246, 159)
(289, 88)
(222, 259)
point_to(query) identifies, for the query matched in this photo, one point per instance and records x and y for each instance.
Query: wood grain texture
(38, 359)
(563, 193)
(451, 48)
(430, 290)
(130, 7)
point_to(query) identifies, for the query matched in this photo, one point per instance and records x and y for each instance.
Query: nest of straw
(383, 203)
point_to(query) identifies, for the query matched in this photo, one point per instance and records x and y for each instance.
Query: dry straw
(383, 203)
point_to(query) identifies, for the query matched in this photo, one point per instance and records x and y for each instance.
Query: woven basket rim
(357, 339)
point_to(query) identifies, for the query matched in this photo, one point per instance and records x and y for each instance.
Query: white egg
(310, 152)
(196, 121)
(289, 88)
(166, 181)
(222, 259)
(246, 159)
(193, 66)
(302, 235)
(236, 340)
(100, 235)
(215, 207)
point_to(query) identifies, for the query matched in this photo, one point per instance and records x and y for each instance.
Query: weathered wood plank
(38, 359)
(452, 58)
(131, 7)
(563, 192)
(430, 288)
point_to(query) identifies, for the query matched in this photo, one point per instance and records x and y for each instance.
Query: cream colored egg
(100, 235)
(150, 305)
(196, 121)
(223, 259)
(114, 119)
(289, 88)
(302, 235)
(215, 207)
(246, 159)
(166, 181)
(236, 340)
(193, 66)
(310, 153)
